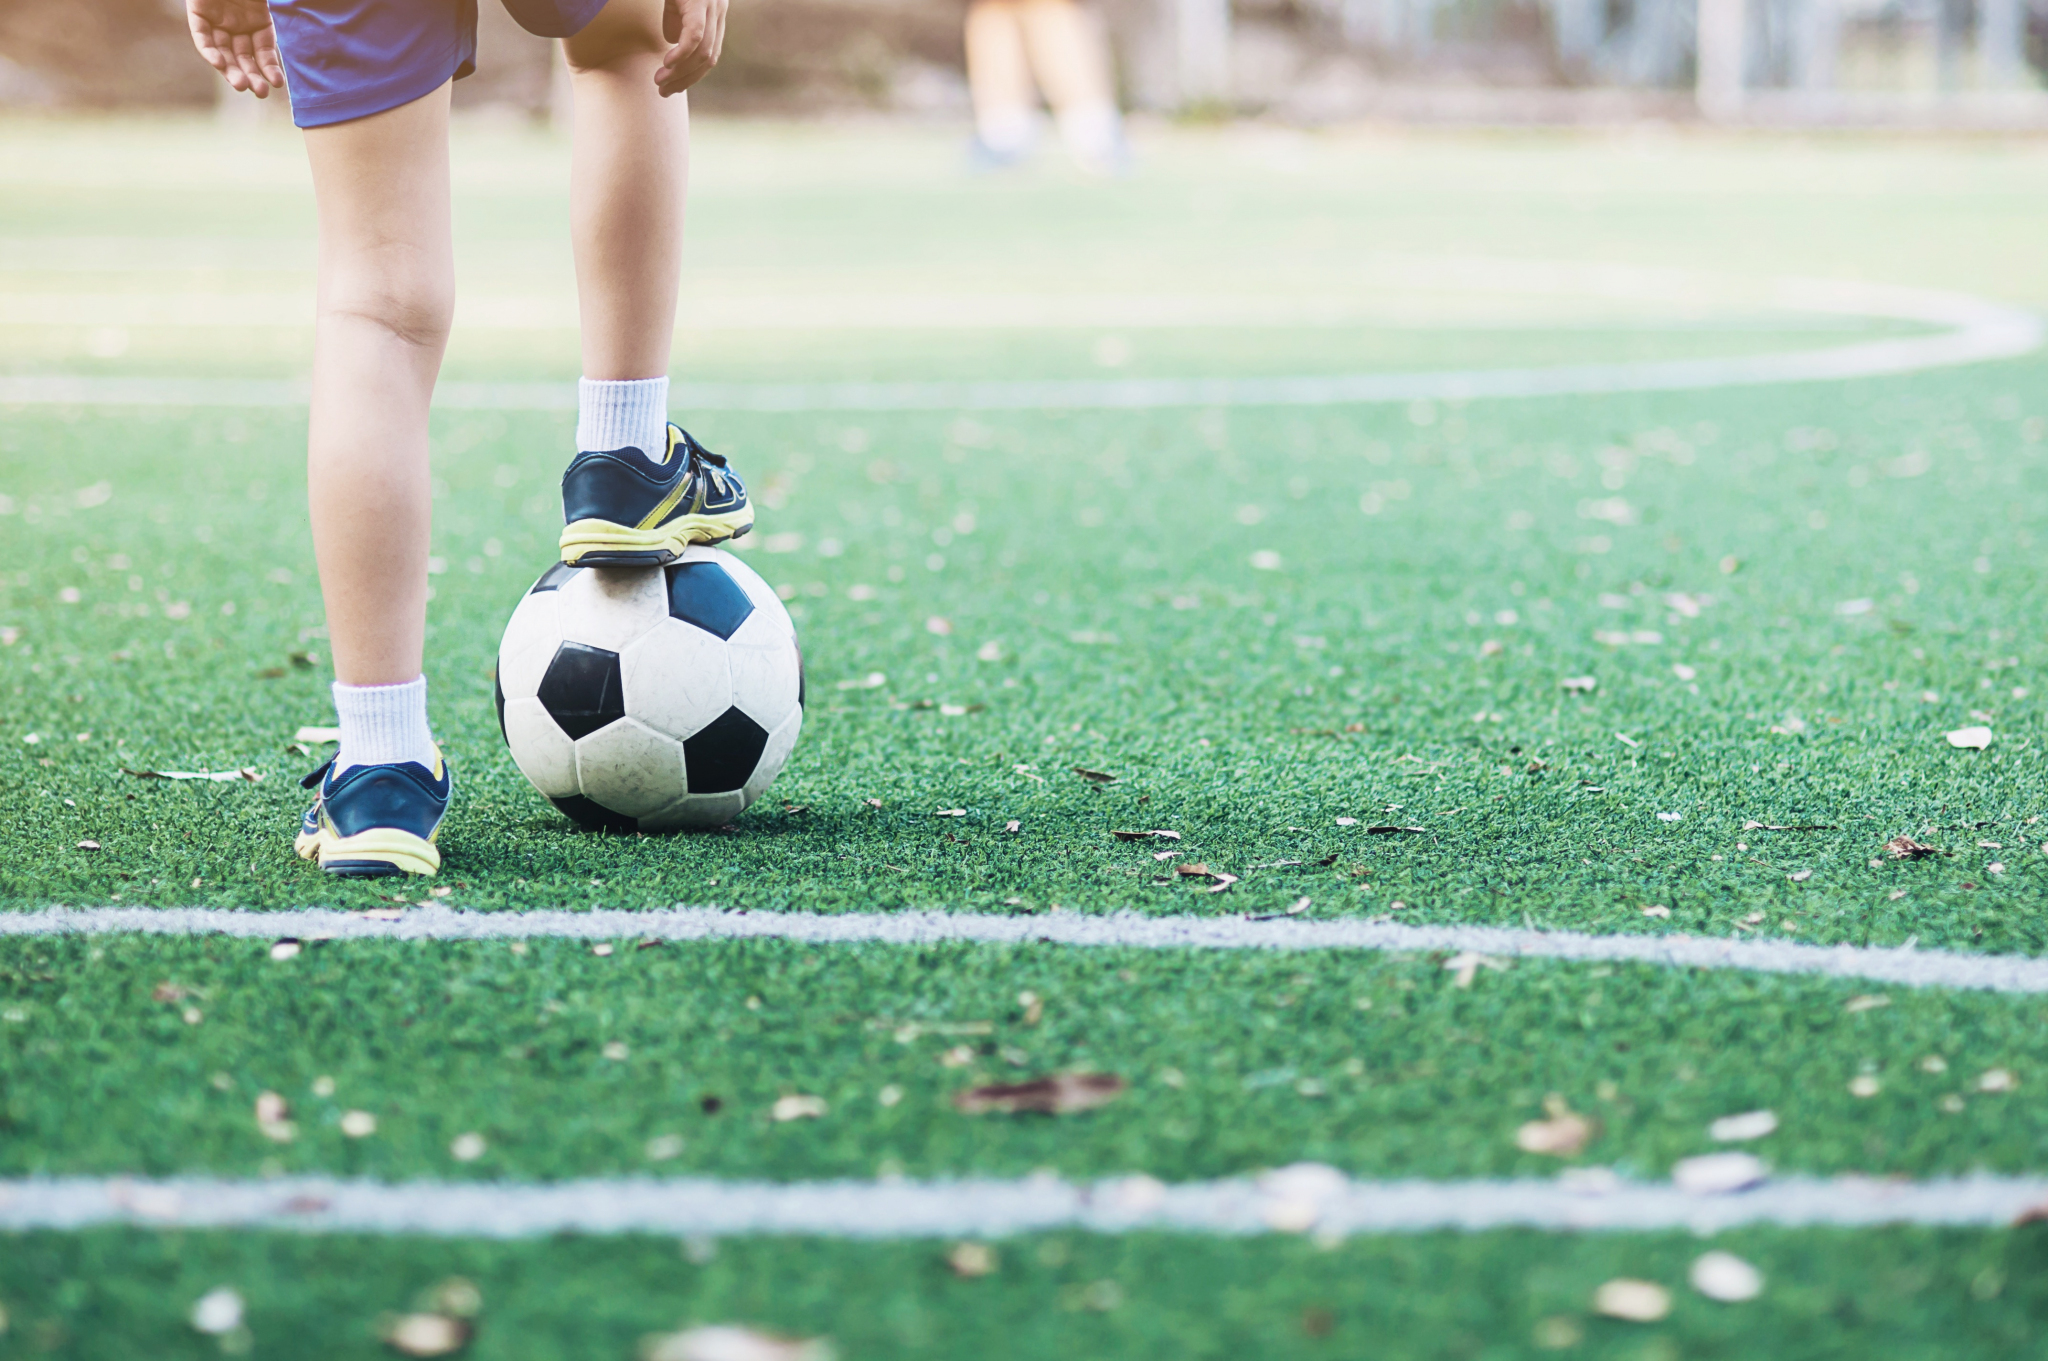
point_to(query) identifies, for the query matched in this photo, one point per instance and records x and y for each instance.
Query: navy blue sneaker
(376, 820)
(625, 509)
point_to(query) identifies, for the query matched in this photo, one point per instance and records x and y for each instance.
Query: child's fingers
(716, 48)
(266, 54)
(246, 57)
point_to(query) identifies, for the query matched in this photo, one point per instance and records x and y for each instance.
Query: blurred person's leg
(1070, 56)
(386, 300)
(639, 491)
(999, 80)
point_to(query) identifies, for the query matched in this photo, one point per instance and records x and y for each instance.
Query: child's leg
(632, 150)
(386, 298)
(999, 78)
(626, 187)
(1070, 55)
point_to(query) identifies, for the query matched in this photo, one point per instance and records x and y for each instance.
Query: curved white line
(1973, 331)
(995, 1207)
(1907, 967)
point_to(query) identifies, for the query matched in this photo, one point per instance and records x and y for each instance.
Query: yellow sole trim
(307, 844)
(602, 536)
(401, 850)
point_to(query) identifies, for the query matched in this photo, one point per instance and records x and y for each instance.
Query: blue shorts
(348, 59)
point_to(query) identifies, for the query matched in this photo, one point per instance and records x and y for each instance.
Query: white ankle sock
(632, 414)
(383, 725)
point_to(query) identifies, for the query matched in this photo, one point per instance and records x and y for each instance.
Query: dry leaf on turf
(1098, 776)
(1466, 965)
(1060, 1094)
(1997, 1080)
(969, 1260)
(1635, 1301)
(1156, 834)
(1579, 685)
(1563, 1135)
(1869, 1001)
(218, 1311)
(1903, 847)
(1725, 1277)
(1970, 739)
(728, 1342)
(273, 1118)
(1713, 1174)
(797, 1108)
(1656, 910)
(358, 1124)
(317, 735)
(1737, 1128)
(1388, 829)
(424, 1334)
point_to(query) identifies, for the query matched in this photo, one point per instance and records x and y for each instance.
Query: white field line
(995, 1207)
(1906, 967)
(1973, 331)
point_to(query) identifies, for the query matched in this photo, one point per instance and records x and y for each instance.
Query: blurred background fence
(1873, 62)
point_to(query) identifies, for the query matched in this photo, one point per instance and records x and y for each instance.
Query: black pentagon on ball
(582, 690)
(554, 578)
(594, 815)
(701, 593)
(724, 752)
(498, 693)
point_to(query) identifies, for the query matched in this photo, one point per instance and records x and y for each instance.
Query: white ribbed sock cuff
(632, 414)
(383, 725)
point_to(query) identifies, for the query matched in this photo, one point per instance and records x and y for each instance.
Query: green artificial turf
(1259, 621)
(147, 1055)
(1246, 709)
(1402, 666)
(1896, 1294)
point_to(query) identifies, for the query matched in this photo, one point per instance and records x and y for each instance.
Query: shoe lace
(707, 466)
(312, 781)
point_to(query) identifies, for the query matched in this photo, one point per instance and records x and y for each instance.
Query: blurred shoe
(376, 821)
(983, 157)
(625, 509)
(1095, 139)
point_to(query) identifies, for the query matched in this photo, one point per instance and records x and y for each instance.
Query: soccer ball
(651, 699)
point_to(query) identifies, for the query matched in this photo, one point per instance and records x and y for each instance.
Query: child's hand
(696, 31)
(236, 39)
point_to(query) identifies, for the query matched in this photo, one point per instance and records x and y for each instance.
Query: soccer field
(1458, 661)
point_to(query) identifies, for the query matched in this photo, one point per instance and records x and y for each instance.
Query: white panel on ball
(677, 678)
(630, 768)
(542, 751)
(609, 607)
(697, 810)
(764, 670)
(781, 741)
(530, 642)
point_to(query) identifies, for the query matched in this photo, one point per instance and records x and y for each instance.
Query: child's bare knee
(417, 310)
